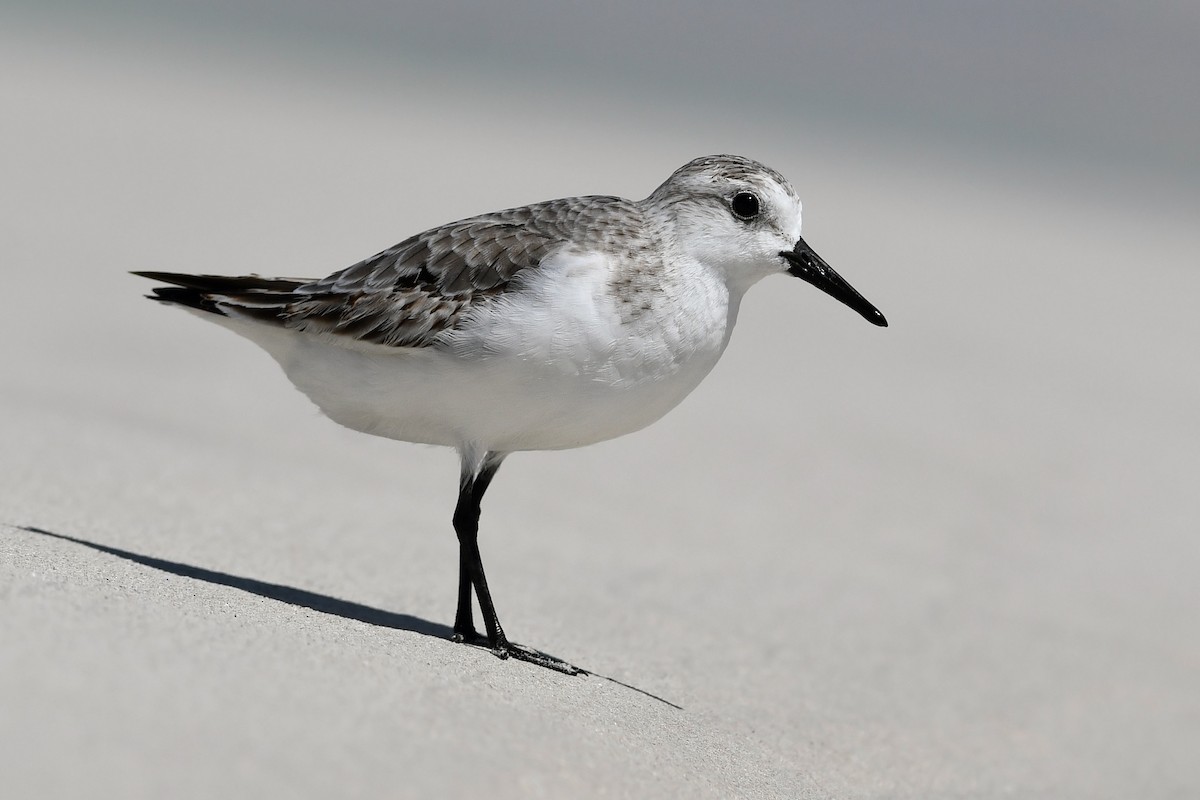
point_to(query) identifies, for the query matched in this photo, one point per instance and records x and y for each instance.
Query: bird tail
(250, 295)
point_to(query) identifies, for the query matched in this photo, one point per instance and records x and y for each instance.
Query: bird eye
(744, 205)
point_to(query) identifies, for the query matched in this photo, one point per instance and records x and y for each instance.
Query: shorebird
(550, 326)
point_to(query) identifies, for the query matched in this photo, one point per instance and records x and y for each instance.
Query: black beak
(807, 265)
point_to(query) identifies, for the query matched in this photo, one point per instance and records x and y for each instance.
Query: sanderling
(550, 326)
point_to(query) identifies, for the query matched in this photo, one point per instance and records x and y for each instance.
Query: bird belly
(435, 397)
(553, 366)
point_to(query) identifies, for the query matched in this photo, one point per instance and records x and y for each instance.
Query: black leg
(464, 622)
(470, 566)
(471, 489)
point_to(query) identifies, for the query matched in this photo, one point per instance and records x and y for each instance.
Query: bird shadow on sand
(297, 597)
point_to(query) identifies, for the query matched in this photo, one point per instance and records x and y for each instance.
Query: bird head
(743, 218)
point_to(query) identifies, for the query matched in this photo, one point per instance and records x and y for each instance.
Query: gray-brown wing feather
(408, 294)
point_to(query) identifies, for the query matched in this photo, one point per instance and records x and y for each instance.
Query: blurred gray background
(953, 558)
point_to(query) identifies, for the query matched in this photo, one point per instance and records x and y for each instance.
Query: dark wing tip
(184, 296)
(165, 277)
(208, 292)
(223, 283)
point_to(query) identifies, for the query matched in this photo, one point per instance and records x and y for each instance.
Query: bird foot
(506, 649)
(468, 636)
(520, 652)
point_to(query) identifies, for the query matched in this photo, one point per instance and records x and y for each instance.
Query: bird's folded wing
(408, 294)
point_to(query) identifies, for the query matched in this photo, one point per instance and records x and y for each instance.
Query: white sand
(953, 558)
